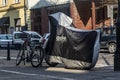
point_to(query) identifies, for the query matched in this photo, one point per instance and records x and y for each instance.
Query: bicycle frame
(29, 52)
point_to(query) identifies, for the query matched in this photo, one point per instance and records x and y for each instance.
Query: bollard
(8, 51)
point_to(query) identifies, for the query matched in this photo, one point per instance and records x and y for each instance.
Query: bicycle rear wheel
(19, 57)
(37, 57)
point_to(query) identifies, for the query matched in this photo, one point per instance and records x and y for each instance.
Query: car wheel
(112, 47)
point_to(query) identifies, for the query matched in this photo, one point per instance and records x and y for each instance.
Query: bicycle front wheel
(19, 57)
(37, 57)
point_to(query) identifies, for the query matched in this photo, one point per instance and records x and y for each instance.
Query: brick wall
(44, 21)
(39, 18)
(81, 15)
(80, 11)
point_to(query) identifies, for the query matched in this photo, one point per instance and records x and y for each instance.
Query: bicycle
(30, 51)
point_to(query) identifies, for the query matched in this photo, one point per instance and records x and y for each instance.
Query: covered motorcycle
(73, 47)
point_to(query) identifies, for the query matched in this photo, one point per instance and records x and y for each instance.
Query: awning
(4, 21)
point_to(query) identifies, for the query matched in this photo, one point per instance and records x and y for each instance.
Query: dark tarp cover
(75, 48)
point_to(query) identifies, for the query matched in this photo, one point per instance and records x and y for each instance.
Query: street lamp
(117, 54)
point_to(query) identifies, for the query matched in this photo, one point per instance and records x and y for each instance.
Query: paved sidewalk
(100, 72)
(97, 73)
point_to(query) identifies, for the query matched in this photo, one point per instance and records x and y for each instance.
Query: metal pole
(93, 15)
(25, 13)
(8, 51)
(117, 54)
(103, 24)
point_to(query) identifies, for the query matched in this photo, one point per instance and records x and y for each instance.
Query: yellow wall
(11, 5)
(13, 10)
(28, 21)
(19, 13)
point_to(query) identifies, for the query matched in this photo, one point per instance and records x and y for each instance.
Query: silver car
(45, 39)
(18, 37)
(4, 39)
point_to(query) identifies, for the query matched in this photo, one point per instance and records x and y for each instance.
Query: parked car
(45, 39)
(108, 39)
(4, 39)
(18, 37)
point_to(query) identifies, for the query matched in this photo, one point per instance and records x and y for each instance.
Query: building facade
(33, 15)
(86, 14)
(41, 9)
(92, 14)
(12, 15)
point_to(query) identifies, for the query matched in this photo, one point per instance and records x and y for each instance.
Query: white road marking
(6, 57)
(29, 74)
(103, 65)
(15, 72)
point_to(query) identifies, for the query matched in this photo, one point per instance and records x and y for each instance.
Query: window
(17, 24)
(17, 1)
(4, 2)
(20, 35)
(17, 21)
(109, 31)
(34, 35)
